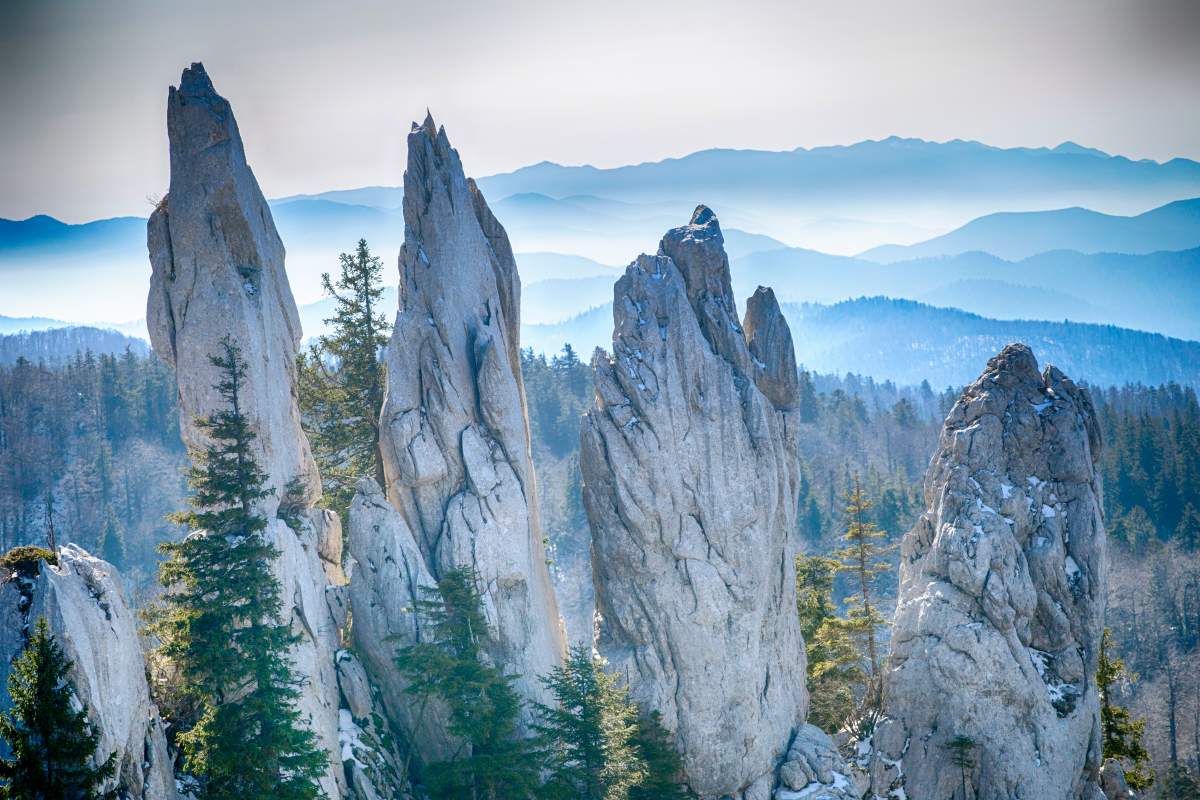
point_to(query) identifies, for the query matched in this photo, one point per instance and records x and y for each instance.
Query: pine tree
(450, 665)
(53, 745)
(1122, 734)
(220, 626)
(835, 673)
(962, 755)
(664, 768)
(862, 559)
(589, 732)
(342, 379)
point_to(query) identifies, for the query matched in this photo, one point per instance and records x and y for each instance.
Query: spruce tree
(589, 732)
(53, 745)
(451, 666)
(342, 379)
(112, 540)
(663, 779)
(1122, 734)
(220, 625)
(861, 558)
(836, 677)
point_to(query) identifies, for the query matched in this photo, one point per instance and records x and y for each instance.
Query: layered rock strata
(1001, 598)
(690, 485)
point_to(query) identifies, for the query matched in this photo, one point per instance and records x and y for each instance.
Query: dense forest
(90, 452)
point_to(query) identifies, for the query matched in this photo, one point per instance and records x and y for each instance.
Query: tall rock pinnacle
(454, 432)
(690, 485)
(1001, 599)
(218, 270)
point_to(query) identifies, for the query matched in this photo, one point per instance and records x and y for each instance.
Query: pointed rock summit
(454, 432)
(1001, 599)
(690, 485)
(218, 270)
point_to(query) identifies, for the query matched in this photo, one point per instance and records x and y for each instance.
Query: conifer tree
(53, 745)
(342, 379)
(1179, 785)
(220, 625)
(589, 732)
(962, 755)
(861, 558)
(663, 778)
(835, 673)
(1122, 734)
(112, 540)
(494, 762)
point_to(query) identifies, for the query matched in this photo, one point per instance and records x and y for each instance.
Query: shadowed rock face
(454, 433)
(1001, 599)
(89, 617)
(690, 485)
(218, 270)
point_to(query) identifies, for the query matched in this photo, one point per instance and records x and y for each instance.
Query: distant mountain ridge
(1015, 235)
(906, 342)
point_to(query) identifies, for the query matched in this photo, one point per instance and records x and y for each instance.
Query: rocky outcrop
(690, 485)
(454, 433)
(86, 610)
(218, 269)
(388, 576)
(1001, 599)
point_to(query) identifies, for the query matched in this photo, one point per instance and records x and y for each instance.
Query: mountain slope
(1017, 235)
(907, 342)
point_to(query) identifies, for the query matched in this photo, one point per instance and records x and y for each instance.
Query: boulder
(1001, 600)
(690, 485)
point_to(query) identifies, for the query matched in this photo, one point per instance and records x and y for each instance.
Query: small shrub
(24, 560)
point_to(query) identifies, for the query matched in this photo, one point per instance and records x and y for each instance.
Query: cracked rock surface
(1001, 598)
(690, 485)
(454, 432)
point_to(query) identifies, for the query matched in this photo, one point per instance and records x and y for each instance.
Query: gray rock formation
(1001, 599)
(218, 269)
(690, 485)
(87, 613)
(387, 576)
(455, 438)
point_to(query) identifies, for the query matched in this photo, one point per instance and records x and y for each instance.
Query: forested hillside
(90, 453)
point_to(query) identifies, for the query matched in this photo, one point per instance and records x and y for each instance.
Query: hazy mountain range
(574, 229)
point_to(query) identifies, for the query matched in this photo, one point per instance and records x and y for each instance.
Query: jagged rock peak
(770, 343)
(1001, 599)
(218, 270)
(454, 433)
(690, 486)
(87, 613)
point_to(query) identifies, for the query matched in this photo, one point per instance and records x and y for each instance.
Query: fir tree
(962, 755)
(450, 665)
(53, 746)
(589, 732)
(862, 558)
(220, 625)
(835, 673)
(664, 768)
(1122, 734)
(342, 379)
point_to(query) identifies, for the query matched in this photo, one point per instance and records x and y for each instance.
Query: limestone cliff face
(218, 269)
(89, 616)
(690, 486)
(1001, 599)
(454, 434)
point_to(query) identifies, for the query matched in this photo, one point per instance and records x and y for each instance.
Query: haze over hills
(1017, 235)
(907, 342)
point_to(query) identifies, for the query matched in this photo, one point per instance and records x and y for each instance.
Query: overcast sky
(324, 91)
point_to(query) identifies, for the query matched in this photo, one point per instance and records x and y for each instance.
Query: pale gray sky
(324, 91)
